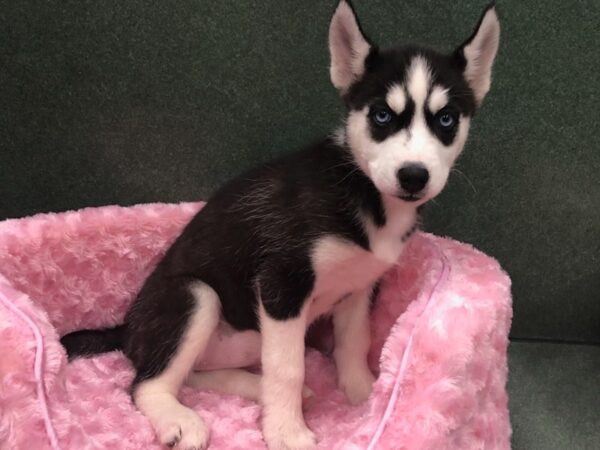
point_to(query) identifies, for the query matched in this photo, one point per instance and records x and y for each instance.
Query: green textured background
(133, 101)
(142, 101)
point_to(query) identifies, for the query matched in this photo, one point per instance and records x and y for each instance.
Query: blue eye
(382, 117)
(446, 121)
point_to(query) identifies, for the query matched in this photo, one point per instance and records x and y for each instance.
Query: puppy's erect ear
(477, 53)
(348, 47)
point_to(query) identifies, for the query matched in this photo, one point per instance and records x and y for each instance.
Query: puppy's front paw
(281, 435)
(357, 384)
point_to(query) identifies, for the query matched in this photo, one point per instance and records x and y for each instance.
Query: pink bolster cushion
(439, 341)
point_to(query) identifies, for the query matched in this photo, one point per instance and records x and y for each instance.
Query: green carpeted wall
(134, 101)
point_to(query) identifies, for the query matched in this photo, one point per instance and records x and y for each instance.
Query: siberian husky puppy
(307, 235)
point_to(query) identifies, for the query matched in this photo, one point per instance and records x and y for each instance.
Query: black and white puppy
(304, 236)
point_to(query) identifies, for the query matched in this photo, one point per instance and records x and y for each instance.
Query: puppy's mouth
(410, 197)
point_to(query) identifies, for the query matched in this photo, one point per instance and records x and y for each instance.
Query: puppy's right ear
(348, 47)
(478, 52)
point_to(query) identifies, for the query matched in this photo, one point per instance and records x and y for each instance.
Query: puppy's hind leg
(234, 382)
(228, 381)
(156, 396)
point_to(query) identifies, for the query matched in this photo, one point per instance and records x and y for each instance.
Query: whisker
(466, 178)
(345, 163)
(353, 171)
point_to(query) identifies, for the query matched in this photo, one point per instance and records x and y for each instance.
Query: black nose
(413, 178)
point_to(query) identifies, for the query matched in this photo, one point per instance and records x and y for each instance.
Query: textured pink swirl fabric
(439, 331)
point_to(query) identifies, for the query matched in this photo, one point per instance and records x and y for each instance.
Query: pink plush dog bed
(439, 344)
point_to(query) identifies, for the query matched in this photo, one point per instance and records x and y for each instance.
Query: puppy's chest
(342, 267)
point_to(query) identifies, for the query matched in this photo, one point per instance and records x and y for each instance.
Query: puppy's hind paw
(183, 430)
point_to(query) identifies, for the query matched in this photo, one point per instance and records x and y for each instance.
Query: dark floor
(554, 392)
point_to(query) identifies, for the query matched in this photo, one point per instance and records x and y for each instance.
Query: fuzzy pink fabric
(439, 344)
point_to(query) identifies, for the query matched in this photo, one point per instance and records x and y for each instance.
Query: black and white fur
(304, 236)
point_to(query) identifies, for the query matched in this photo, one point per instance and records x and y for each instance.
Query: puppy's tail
(91, 342)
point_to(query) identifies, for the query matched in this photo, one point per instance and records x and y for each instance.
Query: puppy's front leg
(283, 378)
(352, 341)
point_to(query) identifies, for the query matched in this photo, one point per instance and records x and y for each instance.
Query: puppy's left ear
(478, 52)
(348, 47)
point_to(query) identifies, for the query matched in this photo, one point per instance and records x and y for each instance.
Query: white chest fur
(342, 267)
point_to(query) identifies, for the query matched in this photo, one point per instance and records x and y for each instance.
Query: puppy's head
(409, 108)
